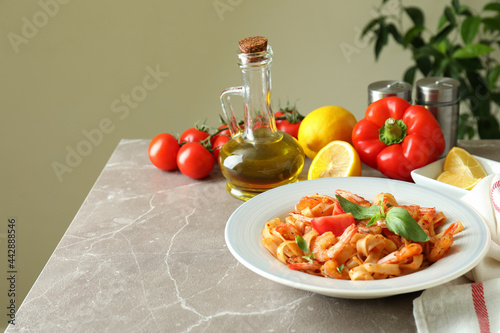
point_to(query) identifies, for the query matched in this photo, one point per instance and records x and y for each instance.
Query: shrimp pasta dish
(348, 237)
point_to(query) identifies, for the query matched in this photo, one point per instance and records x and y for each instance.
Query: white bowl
(426, 176)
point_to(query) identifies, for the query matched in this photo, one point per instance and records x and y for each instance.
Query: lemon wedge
(459, 179)
(336, 159)
(461, 169)
(460, 160)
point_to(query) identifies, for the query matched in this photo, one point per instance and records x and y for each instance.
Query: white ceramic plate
(426, 176)
(244, 238)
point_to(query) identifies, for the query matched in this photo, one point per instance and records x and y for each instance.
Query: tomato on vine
(194, 160)
(288, 120)
(194, 134)
(217, 145)
(163, 151)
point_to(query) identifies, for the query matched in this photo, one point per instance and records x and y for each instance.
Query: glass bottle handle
(227, 107)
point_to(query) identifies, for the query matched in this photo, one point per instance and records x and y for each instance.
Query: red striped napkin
(462, 306)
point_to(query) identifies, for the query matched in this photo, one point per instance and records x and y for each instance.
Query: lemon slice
(459, 178)
(336, 159)
(458, 160)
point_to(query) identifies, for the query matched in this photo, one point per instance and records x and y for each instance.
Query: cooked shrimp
(353, 198)
(404, 253)
(453, 229)
(440, 247)
(301, 264)
(414, 211)
(333, 270)
(321, 244)
(334, 251)
(444, 241)
(288, 231)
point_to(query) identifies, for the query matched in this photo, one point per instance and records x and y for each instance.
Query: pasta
(362, 250)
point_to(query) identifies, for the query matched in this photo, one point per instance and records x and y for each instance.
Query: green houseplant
(462, 47)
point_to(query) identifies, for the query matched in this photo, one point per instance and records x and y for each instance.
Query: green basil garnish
(397, 219)
(303, 246)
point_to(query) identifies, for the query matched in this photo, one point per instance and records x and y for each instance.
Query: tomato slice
(335, 223)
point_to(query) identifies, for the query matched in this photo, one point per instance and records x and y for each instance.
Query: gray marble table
(146, 253)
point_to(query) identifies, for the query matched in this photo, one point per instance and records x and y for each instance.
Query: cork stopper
(253, 44)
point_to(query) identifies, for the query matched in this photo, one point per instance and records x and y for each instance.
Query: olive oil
(268, 161)
(258, 157)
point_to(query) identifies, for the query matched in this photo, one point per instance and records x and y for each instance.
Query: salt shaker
(441, 96)
(380, 89)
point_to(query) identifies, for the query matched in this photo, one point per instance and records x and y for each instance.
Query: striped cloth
(468, 308)
(461, 306)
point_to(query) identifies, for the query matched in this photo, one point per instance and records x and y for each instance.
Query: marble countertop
(146, 253)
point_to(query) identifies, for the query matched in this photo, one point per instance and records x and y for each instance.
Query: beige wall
(67, 66)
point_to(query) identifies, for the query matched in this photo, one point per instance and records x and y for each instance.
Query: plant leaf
(493, 77)
(391, 28)
(441, 47)
(399, 221)
(488, 127)
(301, 243)
(450, 15)
(382, 34)
(472, 51)
(425, 51)
(409, 75)
(493, 6)
(415, 14)
(442, 34)
(469, 29)
(411, 34)
(471, 64)
(357, 211)
(492, 23)
(369, 26)
(496, 98)
(424, 64)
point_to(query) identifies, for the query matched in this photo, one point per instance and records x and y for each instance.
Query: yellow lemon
(460, 160)
(323, 126)
(336, 159)
(457, 178)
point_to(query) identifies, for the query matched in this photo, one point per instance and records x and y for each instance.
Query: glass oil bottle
(258, 157)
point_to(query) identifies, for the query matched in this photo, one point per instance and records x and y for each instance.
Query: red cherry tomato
(194, 160)
(224, 130)
(291, 122)
(217, 145)
(193, 135)
(335, 223)
(163, 151)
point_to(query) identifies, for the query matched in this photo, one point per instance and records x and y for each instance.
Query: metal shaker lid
(381, 89)
(437, 90)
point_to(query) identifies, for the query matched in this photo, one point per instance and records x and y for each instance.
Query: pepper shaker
(441, 96)
(380, 89)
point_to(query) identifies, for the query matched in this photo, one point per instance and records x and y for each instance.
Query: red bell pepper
(396, 137)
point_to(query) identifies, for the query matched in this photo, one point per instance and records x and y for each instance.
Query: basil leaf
(399, 221)
(357, 211)
(374, 219)
(309, 257)
(340, 268)
(301, 243)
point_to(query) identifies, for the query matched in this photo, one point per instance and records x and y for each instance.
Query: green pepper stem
(393, 131)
